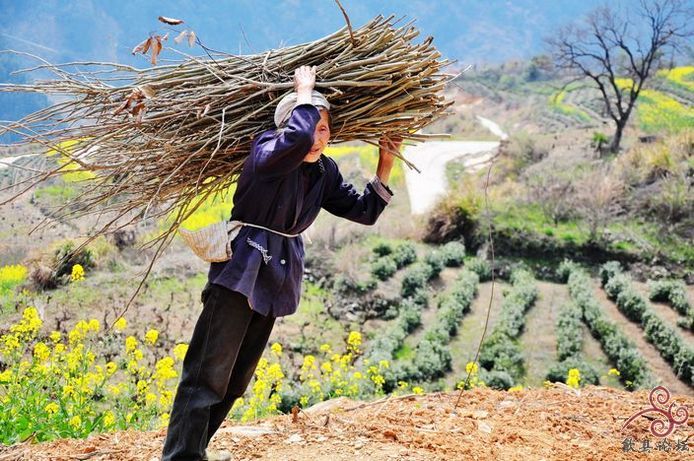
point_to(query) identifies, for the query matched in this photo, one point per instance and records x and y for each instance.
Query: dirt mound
(555, 423)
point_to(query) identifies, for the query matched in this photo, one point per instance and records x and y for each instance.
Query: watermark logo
(662, 427)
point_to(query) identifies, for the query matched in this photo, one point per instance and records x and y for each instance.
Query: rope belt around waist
(263, 227)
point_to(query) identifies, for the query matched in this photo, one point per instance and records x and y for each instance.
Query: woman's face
(320, 137)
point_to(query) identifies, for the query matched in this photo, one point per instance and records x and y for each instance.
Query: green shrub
(65, 257)
(346, 285)
(436, 260)
(569, 332)
(559, 371)
(404, 254)
(674, 293)
(481, 267)
(416, 278)
(382, 248)
(453, 254)
(384, 268)
(496, 379)
(609, 270)
(501, 351)
(631, 304)
(633, 368)
(565, 268)
(384, 345)
(432, 357)
(666, 340)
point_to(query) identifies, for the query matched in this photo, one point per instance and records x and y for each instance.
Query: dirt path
(661, 369)
(425, 188)
(594, 355)
(539, 341)
(464, 345)
(533, 424)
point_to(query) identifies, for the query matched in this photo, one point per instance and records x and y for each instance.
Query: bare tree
(619, 51)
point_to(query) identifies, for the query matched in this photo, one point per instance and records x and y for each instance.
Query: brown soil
(539, 340)
(557, 423)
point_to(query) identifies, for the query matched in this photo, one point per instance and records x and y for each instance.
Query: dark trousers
(227, 343)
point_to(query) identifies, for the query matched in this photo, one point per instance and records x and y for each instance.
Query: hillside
(394, 308)
(553, 423)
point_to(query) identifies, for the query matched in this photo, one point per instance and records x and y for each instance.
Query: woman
(282, 187)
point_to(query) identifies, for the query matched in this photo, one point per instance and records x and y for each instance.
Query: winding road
(425, 188)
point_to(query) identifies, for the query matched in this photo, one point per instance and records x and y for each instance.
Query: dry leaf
(148, 91)
(139, 112)
(135, 97)
(170, 21)
(157, 47)
(143, 46)
(179, 38)
(191, 38)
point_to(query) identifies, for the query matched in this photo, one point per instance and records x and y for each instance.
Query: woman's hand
(304, 78)
(389, 144)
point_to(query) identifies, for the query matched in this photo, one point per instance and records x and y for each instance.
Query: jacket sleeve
(344, 200)
(281, 151)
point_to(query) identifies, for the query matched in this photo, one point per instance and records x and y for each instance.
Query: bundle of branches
(159, 141)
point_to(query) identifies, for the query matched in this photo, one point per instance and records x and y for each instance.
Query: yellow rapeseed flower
(75, 421)
(276, 348)
(354, 341)
(164, 420)
(166, 398)
(326, 367)
(180, 351)
(41, 351)
(114, 390)
(164, 369)
(55, 336)
(52, 408)
(150, 399)
(613, 371)
(130, 343)
(12, 274)
(573, 378)
(109, 419)
(77, 273)
(471, 368)
(151, 336)
(120, 324)
(417, 390)
(6, 376)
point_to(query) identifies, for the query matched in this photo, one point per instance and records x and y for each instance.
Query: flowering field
(90, 379)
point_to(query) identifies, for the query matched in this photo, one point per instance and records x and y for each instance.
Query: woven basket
(212, 243)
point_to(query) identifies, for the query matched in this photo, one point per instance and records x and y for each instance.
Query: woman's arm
(285, 151)
(278, 153)
(344, 200)
(387, 145)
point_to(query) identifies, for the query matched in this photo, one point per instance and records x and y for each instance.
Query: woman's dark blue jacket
(268, 267)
